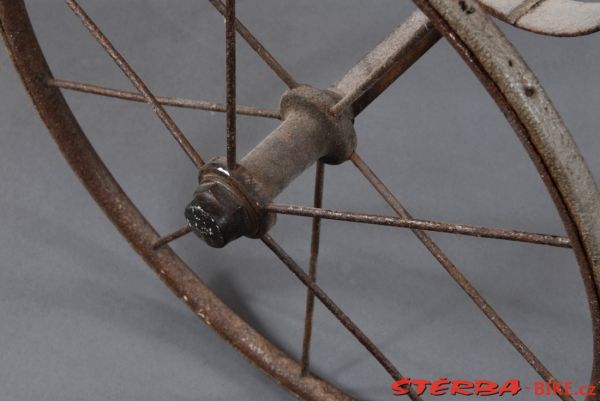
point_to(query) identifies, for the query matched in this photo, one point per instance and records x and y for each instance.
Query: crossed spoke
(312, 267)
(425, 225)
(166, 101)
(258, 47)
(418, 40)
(336, 311)
(137, 82)
(458, 276)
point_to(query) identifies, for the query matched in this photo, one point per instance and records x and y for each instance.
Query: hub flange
(229, 204)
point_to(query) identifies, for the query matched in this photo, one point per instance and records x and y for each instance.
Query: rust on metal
(337, 312)
(175, 274)
(315, 240)
(172, 236)
(258, 48)
(424, 225)
(554, 153)
(230, 80)
(230, 203)
(137, 82)
(235, 199)
(385, 63)
(166, 101)
(457, 275)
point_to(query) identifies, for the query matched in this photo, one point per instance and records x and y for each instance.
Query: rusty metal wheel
(235, 197)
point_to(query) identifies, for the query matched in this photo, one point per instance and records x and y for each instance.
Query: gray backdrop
(82, 318)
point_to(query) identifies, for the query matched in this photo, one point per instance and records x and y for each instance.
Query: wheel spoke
(166, 101)
(312, 267)
(458, 276)
(425, 225)
(172, 237)
(137, 82)
(258, 48)
(336, 311)
(230, 78)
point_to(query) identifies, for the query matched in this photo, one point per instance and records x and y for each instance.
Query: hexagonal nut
(216, 215)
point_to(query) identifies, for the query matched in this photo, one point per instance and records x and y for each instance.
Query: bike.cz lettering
(485, 388)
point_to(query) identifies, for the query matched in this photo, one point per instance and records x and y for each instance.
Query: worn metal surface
(315, 240)
(165, 101)
(548, 17)
(337, 312)
(258, 48)
(229, 203)
(226, 206)
(385, 63)
(265, 171)
(181, 280)
(425, 225)
(456, 274)
(536, 122)
(172, 236)
(230, 82)
(137, 82)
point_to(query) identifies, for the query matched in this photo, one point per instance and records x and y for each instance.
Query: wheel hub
(228, 204)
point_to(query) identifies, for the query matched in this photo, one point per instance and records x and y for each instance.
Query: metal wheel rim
(579, 212)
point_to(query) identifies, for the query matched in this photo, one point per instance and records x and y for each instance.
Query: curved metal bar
(548, 17)
(175, 274)
(552, 149)
(460, 279)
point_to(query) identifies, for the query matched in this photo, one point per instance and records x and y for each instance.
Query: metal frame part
(235, 197)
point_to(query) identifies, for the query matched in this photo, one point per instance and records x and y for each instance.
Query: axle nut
(216, 215)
